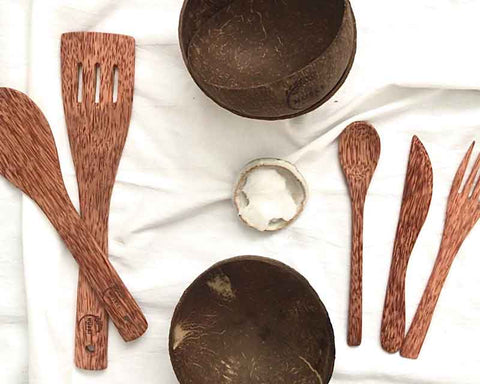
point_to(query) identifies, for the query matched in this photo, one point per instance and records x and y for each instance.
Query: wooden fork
(463, 212)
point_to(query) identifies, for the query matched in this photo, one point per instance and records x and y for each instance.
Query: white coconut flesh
(270, 194)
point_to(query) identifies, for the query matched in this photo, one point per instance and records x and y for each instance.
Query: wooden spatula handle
(99, 272)
(102, 277)
(354, 336)
(413, 342)
(91, 331)
(393, 320)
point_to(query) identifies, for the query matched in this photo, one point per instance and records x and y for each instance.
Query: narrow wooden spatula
(29, 160)
(417, 195)
(97, 85)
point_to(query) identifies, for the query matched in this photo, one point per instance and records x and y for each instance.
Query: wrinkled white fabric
(416, 72)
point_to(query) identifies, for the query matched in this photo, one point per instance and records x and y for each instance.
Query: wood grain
(359, 151)
(97, 131)
(463, 212)
(29, 160)
(417, 196)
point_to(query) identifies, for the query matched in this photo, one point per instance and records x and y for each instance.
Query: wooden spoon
(29, 160)
(417, 195)
(359, 150)
(97, 130)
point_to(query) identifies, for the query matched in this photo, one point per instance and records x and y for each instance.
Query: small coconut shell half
(251, 320)
(296, 187)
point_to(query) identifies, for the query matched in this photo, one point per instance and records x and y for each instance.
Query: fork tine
(476, 189)
(469, 185)
(457, 181)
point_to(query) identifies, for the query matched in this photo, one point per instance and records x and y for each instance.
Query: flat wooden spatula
(97, 85)
(29, 160)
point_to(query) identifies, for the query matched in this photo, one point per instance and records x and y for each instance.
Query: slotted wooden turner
(97, 84)
(29, 160)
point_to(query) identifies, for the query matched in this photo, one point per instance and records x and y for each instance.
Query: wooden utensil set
(97, 86)
(359, 150)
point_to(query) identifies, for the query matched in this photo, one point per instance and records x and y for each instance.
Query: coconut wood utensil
(97, 83)
(417, 195)
(463, 212)
(251, 320)
(29, 160)
(359, 150)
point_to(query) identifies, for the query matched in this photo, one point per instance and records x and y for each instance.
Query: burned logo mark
(113, 295)
(91, 325)
(304, 93)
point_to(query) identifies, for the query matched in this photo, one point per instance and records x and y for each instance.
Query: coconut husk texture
(251, 320)
(268, 59)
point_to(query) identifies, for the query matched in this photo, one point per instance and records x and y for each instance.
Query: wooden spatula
(97, 83)
(29, 160)
(359, 151)
(417, 195)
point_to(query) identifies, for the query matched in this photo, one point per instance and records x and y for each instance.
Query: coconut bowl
(251, 320)
(268, 59)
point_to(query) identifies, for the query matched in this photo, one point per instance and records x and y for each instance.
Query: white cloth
(416, 72)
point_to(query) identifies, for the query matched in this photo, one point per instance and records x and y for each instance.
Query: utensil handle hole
(90, 348)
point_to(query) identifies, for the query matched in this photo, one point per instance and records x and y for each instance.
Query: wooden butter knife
(417, 195)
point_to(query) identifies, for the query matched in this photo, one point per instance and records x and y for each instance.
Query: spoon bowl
(359, 153)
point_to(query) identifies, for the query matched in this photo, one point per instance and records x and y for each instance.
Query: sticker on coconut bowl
(270, 194)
